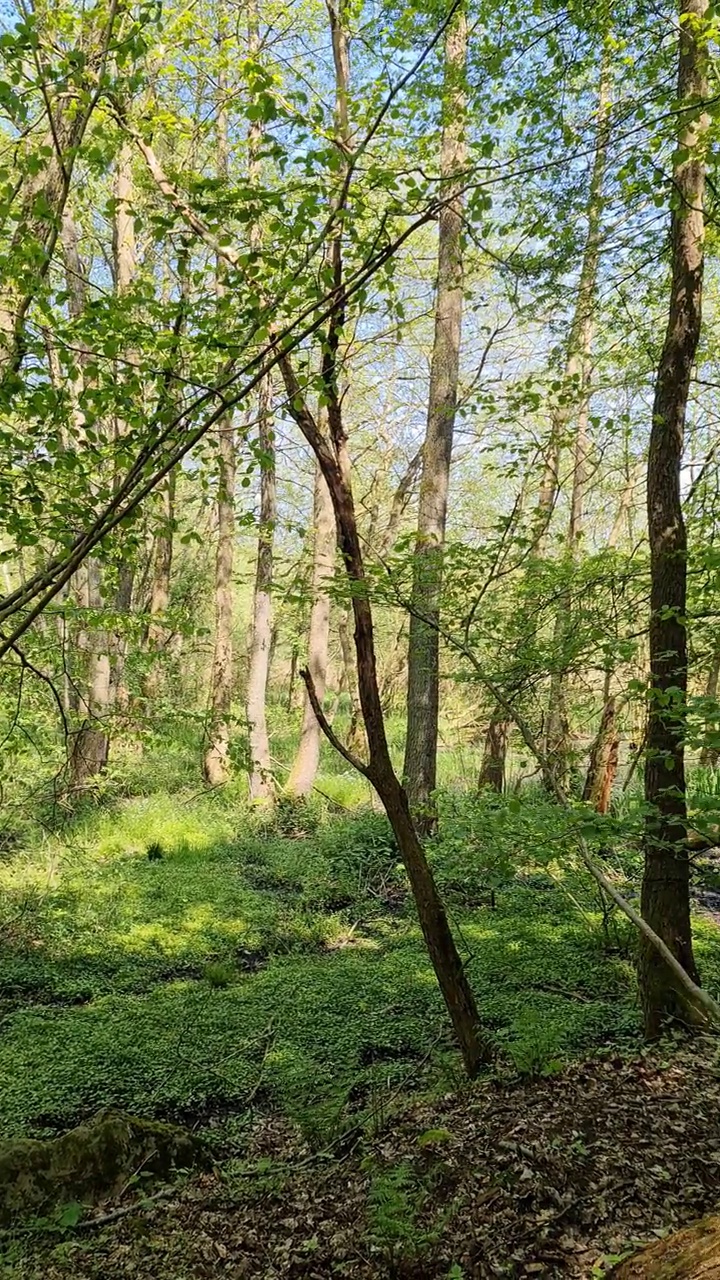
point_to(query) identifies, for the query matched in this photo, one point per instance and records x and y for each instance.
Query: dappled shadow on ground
(338, 1013)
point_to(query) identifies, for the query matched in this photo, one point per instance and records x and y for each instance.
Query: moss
(687, 1255)
(89, 1162)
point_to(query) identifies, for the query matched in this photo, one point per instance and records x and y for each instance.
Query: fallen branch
(113, 1215)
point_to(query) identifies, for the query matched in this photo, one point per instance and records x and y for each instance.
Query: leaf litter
(553, 1177)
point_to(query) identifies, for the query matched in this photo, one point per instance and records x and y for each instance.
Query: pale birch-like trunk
(307, 758)
(420, 764)
(605, 750)
(261, 779)
(576, 401)
(216, 763)
(125, 260)
(91, 681)
(261, 782)
(158, 633)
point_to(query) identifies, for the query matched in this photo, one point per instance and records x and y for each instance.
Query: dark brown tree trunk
(492, 769)
(602, 767)
(331, 453)
(665, 897)
(423, 694)
(448, 967)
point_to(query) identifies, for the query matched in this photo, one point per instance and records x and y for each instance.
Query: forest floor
(266, 985)
(554, 1177)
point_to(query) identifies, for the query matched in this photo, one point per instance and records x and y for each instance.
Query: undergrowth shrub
(404, 1222)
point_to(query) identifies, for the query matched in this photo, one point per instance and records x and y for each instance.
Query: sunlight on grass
(326, 986)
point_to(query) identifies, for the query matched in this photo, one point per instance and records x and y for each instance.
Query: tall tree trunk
(307, 758)
(332, 458)
(605, 751)
(665, 899)
(261, 781)
(710, 751)
(420, 767)
(492, 768)
(125, 261)
(216, 764)
(576, 398)
(162, 555)
(45, 184)
(89, 745)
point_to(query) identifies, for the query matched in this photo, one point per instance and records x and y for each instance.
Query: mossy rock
(686, 1255)
(89, 1163)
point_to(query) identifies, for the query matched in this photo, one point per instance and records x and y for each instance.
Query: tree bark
(420, 767)
(492, 769)
(602, 767)
(576, 398)
(162, 556)
(125, 262)
(332, 458)
(307, 758)
(665, 899)
(89, 745)
(710, 752)
(216, 763)
(261, 782)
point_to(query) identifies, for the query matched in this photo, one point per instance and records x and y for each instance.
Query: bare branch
(331, 736)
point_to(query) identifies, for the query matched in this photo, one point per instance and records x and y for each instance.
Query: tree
(216, 762)
(305, 765)
(423, 690)
(665, 889)
(576, 398)
(331, 454)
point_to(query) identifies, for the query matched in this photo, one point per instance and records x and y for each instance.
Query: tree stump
(691, 1254)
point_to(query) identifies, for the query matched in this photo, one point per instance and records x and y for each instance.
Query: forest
(359, 639)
